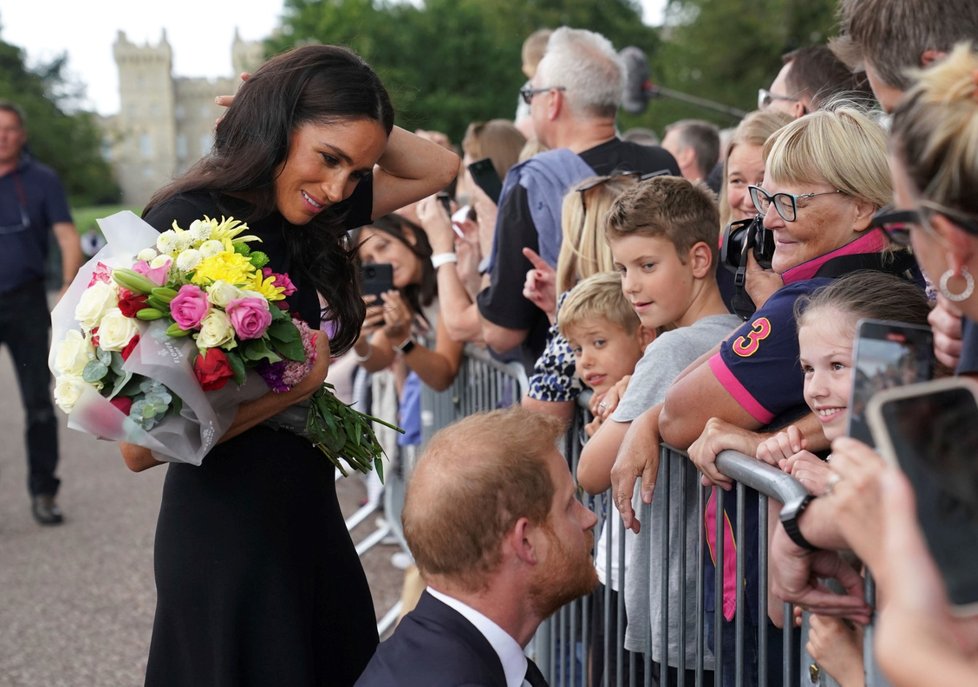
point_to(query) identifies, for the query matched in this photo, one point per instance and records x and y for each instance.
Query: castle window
(145, 146)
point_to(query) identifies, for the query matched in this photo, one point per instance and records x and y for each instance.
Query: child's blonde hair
(598, 296)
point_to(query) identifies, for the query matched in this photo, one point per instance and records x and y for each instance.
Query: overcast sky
(199, 31)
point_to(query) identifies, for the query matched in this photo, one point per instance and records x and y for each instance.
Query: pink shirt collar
(869, 242)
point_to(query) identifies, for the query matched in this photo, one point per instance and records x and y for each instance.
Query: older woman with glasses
(825, 177)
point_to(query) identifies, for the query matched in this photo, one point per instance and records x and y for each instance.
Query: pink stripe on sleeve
(738, 391)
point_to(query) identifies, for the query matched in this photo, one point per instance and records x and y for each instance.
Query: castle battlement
(165, 122)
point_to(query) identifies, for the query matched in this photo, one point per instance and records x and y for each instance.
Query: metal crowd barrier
(562, 646)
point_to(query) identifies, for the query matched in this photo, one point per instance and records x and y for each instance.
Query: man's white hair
(586, 65)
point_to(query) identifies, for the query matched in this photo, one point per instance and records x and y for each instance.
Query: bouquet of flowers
(155, 326)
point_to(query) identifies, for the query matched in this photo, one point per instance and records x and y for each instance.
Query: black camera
(740, 238)
(744, 235)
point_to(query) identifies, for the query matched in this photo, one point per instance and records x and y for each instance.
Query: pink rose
(249, 317)
(189, 307)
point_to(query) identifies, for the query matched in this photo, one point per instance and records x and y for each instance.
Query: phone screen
(885, 355)
(934, 439)
(484, 175)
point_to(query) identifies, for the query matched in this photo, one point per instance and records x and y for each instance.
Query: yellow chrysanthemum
(230, 267)
(266, 287)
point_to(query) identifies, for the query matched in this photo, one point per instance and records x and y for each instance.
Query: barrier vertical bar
(739, 619)
(681, 672)
(664, 580)
(762, 587)
(700, 563)
(718, 591)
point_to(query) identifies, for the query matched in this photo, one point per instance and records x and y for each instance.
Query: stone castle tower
(165, 122)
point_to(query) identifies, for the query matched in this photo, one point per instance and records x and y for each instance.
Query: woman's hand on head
(226, 100)
(397, 317)
(760, 283)
(540, 286)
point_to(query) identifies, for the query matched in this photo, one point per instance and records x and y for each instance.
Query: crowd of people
(608, 263)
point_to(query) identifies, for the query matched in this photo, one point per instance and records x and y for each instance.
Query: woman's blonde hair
(935, 132)
(841, 146)
(498, 139)
(584, 250)
(754, 129)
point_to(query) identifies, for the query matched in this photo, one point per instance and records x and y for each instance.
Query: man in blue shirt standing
(32, 204)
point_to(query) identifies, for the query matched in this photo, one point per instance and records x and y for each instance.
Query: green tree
(725, 51)
(69, 142)
(447, 63)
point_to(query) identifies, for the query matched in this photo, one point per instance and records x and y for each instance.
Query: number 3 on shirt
(747, 345)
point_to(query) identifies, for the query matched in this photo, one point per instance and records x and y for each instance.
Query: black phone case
(484, 174)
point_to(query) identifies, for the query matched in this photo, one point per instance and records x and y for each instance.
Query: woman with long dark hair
(257, 579)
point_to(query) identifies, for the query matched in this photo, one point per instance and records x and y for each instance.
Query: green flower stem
(341, 432)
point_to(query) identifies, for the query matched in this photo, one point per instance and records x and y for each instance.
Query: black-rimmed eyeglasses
(786, 204)
(896, 224)
(527, 92)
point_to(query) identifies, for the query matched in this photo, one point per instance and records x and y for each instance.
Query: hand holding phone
(930, 431)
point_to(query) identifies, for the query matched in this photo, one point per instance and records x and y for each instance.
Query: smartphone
(885, 355)
(375, 279)
(930, 431)
(485, 176)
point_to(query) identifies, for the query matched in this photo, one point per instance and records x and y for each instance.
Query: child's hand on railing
(719, 435)
(811, 471)
(781, 446)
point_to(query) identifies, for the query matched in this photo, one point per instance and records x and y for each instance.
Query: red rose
(127, 350)
(123, 403)
(212, 369)
(130, 303)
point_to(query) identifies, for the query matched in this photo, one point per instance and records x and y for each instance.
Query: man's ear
(524, 541)
(700, 259)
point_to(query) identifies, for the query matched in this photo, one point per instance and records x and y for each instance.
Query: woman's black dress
(258, 582)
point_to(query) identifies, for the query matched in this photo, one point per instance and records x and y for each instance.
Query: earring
(969, 286)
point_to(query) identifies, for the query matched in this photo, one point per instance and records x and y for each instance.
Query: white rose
(199, 230)
(146, 254)
(211, 247)
(116, 330)
(67, 390)
(73, 353)
(94, 302)
(220, 293)
(167, 241)
(188, 259)
(215, 330)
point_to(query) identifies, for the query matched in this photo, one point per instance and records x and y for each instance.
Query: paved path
(76, 601)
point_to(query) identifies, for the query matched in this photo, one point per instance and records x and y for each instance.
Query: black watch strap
(407, 346)
(789, 519)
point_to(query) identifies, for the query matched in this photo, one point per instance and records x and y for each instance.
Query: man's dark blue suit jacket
(434, 646)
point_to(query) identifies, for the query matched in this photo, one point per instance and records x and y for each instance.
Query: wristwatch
(789, 519)
(406, 346)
